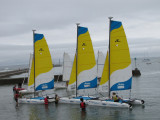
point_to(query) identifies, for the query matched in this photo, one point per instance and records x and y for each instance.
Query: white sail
(67, 67)
(100, 63)
(30, 88)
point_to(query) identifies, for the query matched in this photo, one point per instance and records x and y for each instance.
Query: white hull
(26, 92)
(30, 101)
(135, 101)
(71, 100)
(33, 101)
(51, 100)
(60, 87)
(95, 102)
(108, 104)
(132, 101)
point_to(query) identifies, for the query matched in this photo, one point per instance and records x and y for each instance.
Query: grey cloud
(56, 19)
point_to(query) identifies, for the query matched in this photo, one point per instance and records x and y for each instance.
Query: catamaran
(117, 72)
(41, 73)
(83, 78)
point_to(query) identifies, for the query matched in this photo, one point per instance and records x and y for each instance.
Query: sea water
(146, 87)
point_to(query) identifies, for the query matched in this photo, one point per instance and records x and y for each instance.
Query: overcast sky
(56, 20)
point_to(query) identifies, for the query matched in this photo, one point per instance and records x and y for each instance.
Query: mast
(97, 63)
(135, 62)
(77, 57)
(34, 60)
(63, 66)
(109, 55)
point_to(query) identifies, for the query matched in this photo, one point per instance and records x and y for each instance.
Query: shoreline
(8, 81)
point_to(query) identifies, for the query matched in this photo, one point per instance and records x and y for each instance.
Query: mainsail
(31, 74)
(86, 63)
(67, 66)
(44, 78)
(100, 63)
(103, 86)
(120, 61)
(72, 81)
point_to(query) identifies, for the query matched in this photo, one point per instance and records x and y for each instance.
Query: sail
(103, 86)
(86, 68)
(31, 74)
(120, 61)
(44, 78)
(67, 66)
(72, 81)
(100, 63)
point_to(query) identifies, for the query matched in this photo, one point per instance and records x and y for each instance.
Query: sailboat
(117, 72)
(41, 77)
(83, 78)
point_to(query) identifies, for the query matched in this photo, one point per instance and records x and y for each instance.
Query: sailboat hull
(70, 101)
(95, 103)
(60, 85)
(31, 101)
(128, 101)
(134, 101)
(26, 92)
(34, 101)
(108, 104)
(76, 100)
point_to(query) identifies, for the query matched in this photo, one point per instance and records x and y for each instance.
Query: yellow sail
(72, 81)
(44, 78)
(120, 61)
(31, 74)
(105, 73)
(87, 73)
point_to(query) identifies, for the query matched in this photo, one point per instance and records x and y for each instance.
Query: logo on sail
(41, 49)
(44, 86)
(86, 84)
(117, 40)
(120, 86)
(84, 44)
